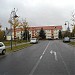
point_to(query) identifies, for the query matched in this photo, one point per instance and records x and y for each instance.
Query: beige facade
(51, 32)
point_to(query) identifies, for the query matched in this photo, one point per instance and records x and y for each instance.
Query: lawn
(16, 48)
(7, 43)
(72, 43)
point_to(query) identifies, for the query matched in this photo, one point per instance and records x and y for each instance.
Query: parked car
(2, 48)
(33, 40)
(66, 39)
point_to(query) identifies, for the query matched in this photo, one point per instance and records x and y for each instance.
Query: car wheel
(3, 52)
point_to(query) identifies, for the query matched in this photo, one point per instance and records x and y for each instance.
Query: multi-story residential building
(18, 31)
(52, 32)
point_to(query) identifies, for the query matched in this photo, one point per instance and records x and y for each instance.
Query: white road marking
(53, 52)
(44, 52)
(41, 57)
(55, 56)
(34, 68)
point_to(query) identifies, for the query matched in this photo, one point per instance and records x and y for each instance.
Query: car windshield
(33, 39)
(66, 37)
(1, 44)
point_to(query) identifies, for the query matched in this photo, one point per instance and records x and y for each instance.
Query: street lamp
(10, 21)
(12, 18)
(68, 28)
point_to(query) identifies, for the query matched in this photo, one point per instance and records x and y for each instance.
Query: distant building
(8, 33)
(52, 32)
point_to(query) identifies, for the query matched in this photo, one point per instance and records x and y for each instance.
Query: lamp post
(10, 21)
(68, 28)
(12, 18)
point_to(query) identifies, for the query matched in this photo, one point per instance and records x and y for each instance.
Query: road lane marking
(41, 57)
(43, 52)
(54, 53)
(55, 56)
(34, 68)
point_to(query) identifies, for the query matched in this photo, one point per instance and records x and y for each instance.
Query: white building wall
(8, 37)
(56, 34)
(48, 34)
(30, 32)
(37, 33)
(18, 35)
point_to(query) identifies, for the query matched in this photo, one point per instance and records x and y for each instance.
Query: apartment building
(52, 32)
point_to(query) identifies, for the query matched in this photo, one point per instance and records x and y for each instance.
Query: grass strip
(17, 48)
(72, 43)
(7, 43)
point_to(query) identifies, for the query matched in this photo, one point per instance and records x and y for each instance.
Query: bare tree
(1, 34)
(73, 19)
(25, 27)
(15, 23)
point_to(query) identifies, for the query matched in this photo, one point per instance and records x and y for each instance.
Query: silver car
(2, 48)
(66, 39)
(33, 40)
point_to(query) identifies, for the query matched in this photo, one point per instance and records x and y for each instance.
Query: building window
(55, 27)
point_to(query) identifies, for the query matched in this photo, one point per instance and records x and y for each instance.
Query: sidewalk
(17, 44)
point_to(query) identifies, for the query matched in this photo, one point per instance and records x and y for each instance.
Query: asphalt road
(51, 57)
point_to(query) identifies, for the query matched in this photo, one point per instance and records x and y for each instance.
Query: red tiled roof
(39, 27)
(46, 27)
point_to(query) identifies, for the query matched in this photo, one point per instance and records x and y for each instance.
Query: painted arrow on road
(55, 54)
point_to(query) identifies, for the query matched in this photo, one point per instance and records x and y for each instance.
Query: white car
(66, 39)
(33, 40)
(2, 48)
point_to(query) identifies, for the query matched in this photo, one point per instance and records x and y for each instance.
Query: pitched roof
(8, 32)
(46, 27)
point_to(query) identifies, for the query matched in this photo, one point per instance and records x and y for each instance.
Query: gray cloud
(37, 12)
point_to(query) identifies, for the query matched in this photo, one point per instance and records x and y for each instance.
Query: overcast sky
(38, 12)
